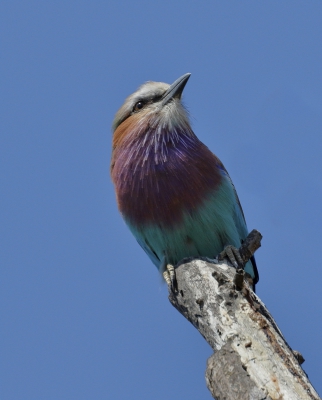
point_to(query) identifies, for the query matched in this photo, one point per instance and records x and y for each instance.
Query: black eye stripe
(142, 103)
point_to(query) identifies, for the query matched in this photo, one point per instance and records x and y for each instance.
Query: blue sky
(84, 313)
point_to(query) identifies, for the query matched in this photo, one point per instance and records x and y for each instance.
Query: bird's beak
(176, 89)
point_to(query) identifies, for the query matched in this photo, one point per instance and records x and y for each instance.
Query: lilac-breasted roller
(174, 194)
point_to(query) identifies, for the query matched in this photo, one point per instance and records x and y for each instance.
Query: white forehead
(149, 90)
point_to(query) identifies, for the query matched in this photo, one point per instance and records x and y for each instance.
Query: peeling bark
(251, 358)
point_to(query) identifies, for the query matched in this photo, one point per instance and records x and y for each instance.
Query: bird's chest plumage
(160, 185)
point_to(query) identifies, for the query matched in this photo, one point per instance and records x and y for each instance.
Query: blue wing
(251, 266)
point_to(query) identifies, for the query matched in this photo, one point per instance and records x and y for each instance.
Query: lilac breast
(159, 183)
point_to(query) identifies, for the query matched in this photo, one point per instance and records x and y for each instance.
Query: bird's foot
(169, 276)
(233, 256)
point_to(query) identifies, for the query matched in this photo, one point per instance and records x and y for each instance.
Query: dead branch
(251, 358)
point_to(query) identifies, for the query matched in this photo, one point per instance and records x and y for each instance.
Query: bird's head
(155, 107)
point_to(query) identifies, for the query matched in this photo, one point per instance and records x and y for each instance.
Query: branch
(252, 360)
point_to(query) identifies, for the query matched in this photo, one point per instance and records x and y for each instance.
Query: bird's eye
(138, 106)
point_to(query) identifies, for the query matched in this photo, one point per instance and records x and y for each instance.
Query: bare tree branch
(252, 360)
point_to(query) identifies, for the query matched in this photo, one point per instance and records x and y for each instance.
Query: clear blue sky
(84, 313)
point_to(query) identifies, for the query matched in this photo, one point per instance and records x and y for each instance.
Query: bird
(174, 194)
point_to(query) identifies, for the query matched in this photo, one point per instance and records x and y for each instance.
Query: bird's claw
(233, 256)
(169, 276)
